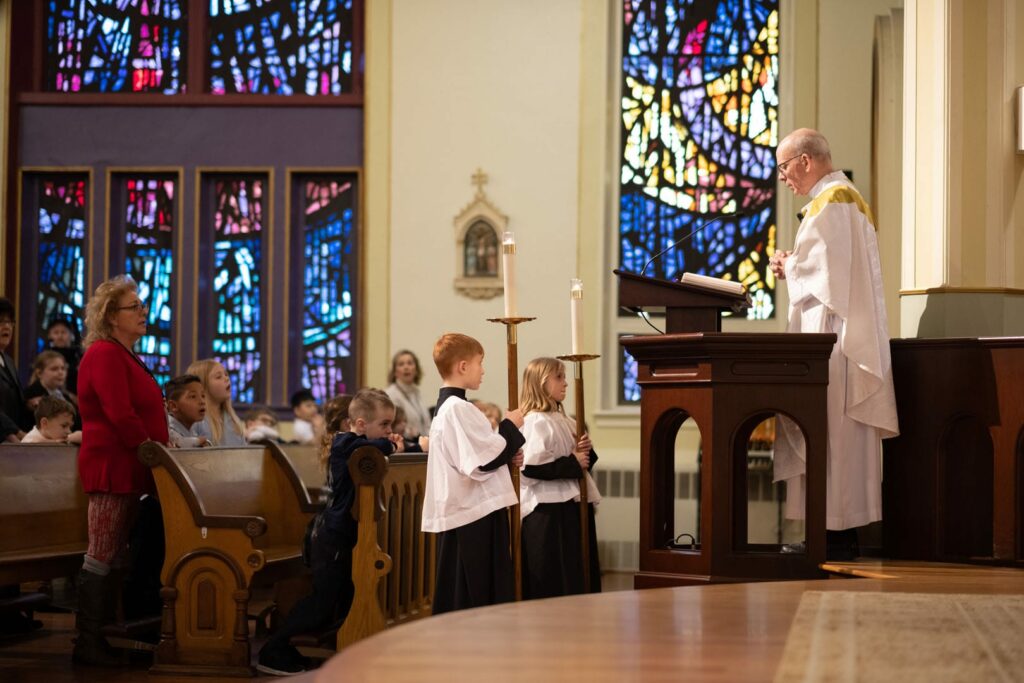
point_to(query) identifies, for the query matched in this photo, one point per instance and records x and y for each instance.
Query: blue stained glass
(61, 229)
(281, 47)
(150, 221)
(111, 46)
(237, 282)
(330, 258)
(630, 384)
(700, 128)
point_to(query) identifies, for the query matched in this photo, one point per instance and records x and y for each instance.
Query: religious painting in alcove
(480, 251)
(477, 228)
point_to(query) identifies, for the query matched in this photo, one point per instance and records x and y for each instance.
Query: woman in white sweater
(403, 388)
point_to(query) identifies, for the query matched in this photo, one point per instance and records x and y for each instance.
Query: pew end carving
(232, 517)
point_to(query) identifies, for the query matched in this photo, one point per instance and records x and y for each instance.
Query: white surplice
(550, 436)
(834, 277)
(457, 491)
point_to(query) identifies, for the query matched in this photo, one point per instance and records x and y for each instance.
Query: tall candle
(576, 314)
(508, 264)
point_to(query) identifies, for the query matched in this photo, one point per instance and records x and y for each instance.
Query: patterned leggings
(110, 521)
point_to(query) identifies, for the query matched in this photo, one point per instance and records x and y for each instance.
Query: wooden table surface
(725, 632)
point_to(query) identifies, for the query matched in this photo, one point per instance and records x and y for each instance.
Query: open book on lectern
(713, 283)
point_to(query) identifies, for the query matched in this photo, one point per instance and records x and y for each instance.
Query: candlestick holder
(512, 342)
(578, 359)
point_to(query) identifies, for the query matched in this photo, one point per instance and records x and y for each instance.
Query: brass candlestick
(513, 403)
(577, 359)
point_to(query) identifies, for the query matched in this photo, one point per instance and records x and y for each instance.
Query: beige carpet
(904, 637)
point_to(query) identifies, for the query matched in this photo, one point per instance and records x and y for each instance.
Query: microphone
(688, 236)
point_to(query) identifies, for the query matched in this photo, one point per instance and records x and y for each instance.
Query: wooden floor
(713, 633)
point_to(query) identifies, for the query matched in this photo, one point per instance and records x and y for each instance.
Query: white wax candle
(508, 264)
(576, 314)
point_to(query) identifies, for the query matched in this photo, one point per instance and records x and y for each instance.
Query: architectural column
(963, 205)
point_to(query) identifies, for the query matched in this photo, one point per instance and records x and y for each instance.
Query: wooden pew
(43, 513)
(305, 460)
(232, 517)
(391, 545)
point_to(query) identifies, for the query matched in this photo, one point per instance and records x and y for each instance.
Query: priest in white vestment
(834, 278)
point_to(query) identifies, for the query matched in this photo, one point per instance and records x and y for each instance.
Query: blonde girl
(221, 425)
(549, 488)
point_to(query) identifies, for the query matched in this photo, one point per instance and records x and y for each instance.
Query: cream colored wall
(963, 219)
(495, 86)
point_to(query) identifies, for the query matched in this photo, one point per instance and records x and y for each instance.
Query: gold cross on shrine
(479, 179)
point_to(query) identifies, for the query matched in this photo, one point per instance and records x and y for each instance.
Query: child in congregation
(491, 410)
(186, 408)
(62, 337)
(261, 425)
(221, 425)
(334, 534)
(54, 417)
(549, 488)
(468, 485)
(49, 374)
(308, 426)
(412, 445)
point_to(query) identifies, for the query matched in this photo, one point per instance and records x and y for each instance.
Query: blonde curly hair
(102, 305)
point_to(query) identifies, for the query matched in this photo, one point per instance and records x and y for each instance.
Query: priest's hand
(517, 459)
(777, 263)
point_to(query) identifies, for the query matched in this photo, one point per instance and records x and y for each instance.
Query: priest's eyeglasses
(781, 166)
(136, 307)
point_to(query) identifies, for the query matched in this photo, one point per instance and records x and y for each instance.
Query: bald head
(803, 158)
(806, 141)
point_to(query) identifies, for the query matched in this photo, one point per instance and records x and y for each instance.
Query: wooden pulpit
(727, 383)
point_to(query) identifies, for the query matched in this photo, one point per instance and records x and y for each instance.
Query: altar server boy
(469, 485)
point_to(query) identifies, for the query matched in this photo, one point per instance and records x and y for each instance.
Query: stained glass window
(111, 46)
(330, 258)
(61, 229)
(628, 378)
(699, 132)
(281, 47)
(150, 218)
(238, 282)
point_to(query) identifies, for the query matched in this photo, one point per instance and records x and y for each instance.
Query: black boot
(94, 601)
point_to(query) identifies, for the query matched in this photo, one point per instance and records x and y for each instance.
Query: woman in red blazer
(121, 406)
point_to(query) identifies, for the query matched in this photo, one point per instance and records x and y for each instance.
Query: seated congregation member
(416, 445)
(12, 395)
(9, 432)
(62, 337)
(260, 425)
(334, 535)
(54, 417)
(308, 426)
(468, 485)
(49, 375)
(186, 408)
(122, 406)
(336, 413)
(491, 410)
(550, 488)
(221, 425)
(403, 388)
